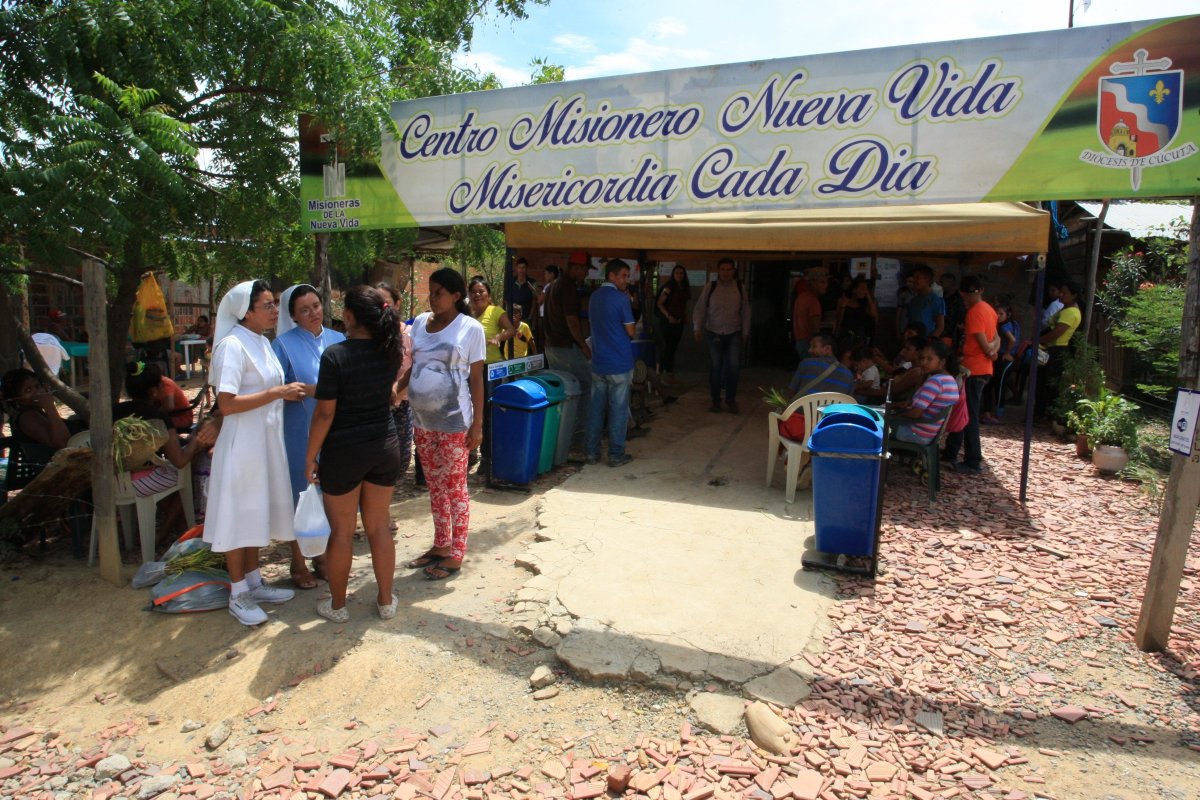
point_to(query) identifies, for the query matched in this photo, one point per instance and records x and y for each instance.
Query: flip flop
(430, 572)
(304, 580)
(424, 560)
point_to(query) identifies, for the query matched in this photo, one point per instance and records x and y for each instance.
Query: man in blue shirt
(821, 372)
(611, 317)
(925, 306)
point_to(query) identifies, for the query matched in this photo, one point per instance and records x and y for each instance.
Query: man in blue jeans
(611, 317)
(722, 318)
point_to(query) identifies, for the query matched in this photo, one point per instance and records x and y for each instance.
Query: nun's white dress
(249, 490)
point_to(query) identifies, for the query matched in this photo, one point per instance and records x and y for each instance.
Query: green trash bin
(555, 393)
(570, 410)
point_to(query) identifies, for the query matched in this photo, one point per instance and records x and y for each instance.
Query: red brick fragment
(279, 780)
(335, 783)
(618, 778)
(806, 785)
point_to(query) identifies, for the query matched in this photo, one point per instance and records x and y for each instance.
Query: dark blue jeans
(724, 364)
(973, 451)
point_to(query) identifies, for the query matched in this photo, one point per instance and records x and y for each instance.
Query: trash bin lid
(524, 394)
(850, 418)
(853, 408)
(553, 384)
(570, 382)
(846, 433)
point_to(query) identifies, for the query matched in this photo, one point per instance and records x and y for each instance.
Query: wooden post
(1089, 289)
(1183, 487)
(95, 300)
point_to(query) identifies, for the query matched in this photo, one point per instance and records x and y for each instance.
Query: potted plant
(791, 428)
(1082, 378)
(1110, 423)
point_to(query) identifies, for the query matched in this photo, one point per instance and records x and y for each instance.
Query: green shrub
(1151, 328)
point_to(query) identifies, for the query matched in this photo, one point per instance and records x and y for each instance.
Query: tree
(161, 133)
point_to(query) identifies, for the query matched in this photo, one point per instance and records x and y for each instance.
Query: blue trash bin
(847, 453)
(518, 418)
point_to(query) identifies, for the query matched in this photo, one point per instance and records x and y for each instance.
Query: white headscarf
(233, 309)
(286, 323)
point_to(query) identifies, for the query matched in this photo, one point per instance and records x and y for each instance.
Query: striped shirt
(811, 368)
(936, 395)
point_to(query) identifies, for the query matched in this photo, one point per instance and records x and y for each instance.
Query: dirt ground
(88, 666)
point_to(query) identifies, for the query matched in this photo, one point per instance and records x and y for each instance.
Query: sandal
(304, 580)
(425, 559)
(431, 572)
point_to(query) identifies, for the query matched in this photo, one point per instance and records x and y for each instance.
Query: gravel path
(976, 665)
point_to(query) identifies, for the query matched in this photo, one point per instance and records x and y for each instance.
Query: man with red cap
(566, 348)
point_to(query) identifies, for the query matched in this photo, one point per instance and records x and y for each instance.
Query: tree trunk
(120, 312)
(321, 274)
(10, 348)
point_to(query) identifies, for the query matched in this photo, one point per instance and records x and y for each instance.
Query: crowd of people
(951, 368)
(349, 410)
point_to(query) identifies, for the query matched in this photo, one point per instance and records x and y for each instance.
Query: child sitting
(867, 383)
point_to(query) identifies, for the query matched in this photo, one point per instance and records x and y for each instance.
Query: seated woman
(906, 382)
(33, 417)
(166, 396)
(919, 421)
(144, 385)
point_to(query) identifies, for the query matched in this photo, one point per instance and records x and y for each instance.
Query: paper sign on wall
(1184, 421)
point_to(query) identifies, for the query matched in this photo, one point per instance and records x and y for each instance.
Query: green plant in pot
(1110, 423)
(793, 427)
(1082, 378)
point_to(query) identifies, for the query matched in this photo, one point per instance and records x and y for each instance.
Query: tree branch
(86, 254)
(41, 274)
(227, 90)
(73, 399)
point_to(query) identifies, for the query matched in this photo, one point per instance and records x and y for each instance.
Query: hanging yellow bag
(150, 318)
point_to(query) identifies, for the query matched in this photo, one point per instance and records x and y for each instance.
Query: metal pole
(1031, 386)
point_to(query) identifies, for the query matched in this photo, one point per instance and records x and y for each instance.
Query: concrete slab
(681, 563)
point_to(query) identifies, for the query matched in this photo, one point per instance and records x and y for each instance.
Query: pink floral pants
(444, 459)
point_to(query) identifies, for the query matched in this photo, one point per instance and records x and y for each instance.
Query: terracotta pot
(1081, 446)
(1109, 458)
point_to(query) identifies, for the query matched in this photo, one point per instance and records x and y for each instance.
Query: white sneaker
(325, 609)
(245, 610)
(388, 611)
(271, 594)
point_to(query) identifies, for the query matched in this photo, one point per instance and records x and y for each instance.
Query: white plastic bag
(311, 524)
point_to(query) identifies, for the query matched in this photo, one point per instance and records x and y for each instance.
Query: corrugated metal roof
(1140, 220)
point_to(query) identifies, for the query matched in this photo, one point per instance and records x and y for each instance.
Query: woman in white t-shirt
(445, 392)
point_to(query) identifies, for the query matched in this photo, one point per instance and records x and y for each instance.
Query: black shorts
(341, 469)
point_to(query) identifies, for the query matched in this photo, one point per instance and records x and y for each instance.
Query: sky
(596, 38)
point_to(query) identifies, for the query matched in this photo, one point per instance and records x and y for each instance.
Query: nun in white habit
(249, 492)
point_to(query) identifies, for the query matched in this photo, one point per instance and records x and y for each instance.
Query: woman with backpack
(445, 390)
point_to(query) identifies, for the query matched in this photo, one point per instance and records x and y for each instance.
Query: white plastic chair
(796, 453)
(126, 499)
